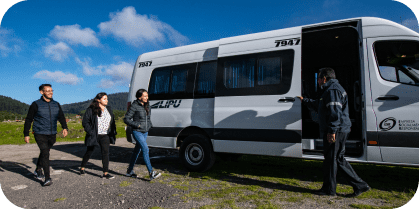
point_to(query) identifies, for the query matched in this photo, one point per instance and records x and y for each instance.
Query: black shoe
(323, 193)
(82, 172)
(131, 174)
(108, 176)
(38, 174)
(47, 182)
(360, 191)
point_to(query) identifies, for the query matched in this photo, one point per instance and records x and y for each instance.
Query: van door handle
(388, 97)
(286, 99)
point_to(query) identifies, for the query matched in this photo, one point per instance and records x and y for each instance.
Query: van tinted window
(398, 61)
(205, 80)
(266, 73)
(174, 82)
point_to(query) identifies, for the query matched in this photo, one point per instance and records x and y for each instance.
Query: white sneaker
(154, 175)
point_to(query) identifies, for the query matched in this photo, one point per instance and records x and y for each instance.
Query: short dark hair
(41, 87)
(327, 72)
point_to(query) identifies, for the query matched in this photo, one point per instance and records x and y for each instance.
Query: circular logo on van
(387, 124)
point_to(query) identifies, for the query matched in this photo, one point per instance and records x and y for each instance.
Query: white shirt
(104, 122)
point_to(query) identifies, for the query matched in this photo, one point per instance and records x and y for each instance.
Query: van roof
(371, 27)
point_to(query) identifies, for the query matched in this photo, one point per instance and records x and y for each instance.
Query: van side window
(239, 73)
(174, 82)
(205, 80)
(398, 61)
(268, 73)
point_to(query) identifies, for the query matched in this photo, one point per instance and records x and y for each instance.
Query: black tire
(196, 153)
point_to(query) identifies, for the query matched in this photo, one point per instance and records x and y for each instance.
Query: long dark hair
(146, 104)
(95, 104)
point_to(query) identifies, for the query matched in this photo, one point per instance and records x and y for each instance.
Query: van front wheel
(196, 153)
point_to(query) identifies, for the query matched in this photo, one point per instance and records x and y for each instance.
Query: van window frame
(287, 57)
(187, 94)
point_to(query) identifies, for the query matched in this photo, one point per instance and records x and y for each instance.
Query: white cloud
(73, 34)
(106, 84)
(411, 23)
(87, 69)
(57, 52)
(9, 43)
(136, 29)
(59, 77)
(36, 64)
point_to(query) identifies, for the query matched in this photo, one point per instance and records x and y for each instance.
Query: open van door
(394, 77)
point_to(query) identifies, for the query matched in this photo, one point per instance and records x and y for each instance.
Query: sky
(86, 47)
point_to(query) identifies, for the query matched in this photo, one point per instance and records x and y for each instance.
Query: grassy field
(12, 132)
(273, 182)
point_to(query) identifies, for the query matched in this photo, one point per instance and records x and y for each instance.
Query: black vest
(45, 120)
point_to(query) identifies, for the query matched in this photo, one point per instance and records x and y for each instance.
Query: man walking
(335, 127)
(44, 112)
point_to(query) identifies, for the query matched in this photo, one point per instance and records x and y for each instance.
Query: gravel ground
(71, 190)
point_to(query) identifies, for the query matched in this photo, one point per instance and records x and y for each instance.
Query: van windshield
(398, 61)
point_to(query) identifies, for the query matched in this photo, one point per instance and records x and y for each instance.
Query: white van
(238, 95)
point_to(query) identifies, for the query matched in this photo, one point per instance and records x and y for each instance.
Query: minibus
(237, 95)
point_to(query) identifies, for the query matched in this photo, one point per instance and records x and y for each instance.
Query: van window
(268, 73)
(205, 80)
(398, 61)
(174, 82)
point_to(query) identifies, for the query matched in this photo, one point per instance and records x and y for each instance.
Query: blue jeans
(141, 144)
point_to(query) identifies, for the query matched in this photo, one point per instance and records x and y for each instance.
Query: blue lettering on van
(167, 104)
(145, 64)
(288, 42)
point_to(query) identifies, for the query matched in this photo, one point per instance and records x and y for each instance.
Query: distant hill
(14, 106)
(117, 101)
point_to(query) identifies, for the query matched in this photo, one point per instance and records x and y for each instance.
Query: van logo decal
(288, 42)
(174, 103)
(387, 124)
(145, 64)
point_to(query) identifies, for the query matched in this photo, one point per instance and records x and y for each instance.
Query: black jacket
(91, 127)
(44, 116)
(137, 117)
(332, 108)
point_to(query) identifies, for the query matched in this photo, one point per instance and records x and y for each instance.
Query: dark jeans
(45, 143)
(104, 147)
(334, 159)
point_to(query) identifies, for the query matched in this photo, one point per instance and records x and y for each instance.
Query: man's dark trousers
(334, 159)
(45, 143)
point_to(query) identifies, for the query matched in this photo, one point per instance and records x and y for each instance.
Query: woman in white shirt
(99, 124)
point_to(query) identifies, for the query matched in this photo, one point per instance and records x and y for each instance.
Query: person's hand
(27, 139)
(65, 132)
(331, 138)
(300, 97)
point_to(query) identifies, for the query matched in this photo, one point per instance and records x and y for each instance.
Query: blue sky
(85, 47)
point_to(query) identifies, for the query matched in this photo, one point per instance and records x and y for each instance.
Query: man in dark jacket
(44, 112)
(335, 127)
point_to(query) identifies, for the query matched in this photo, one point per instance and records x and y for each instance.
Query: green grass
(60, 199)
(12, 132)
(125, 184)
(273, 182)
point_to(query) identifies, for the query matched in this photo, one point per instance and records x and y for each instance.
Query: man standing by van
(44, 112)
(335, 127)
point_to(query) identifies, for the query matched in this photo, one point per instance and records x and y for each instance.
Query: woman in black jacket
(138, 117)
(99, 124)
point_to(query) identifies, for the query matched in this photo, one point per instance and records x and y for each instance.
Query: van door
(394, 76)
(255, 110)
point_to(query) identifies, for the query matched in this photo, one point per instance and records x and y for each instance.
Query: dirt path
(70, 190)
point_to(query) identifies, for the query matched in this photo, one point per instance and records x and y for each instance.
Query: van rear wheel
(196, 153)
